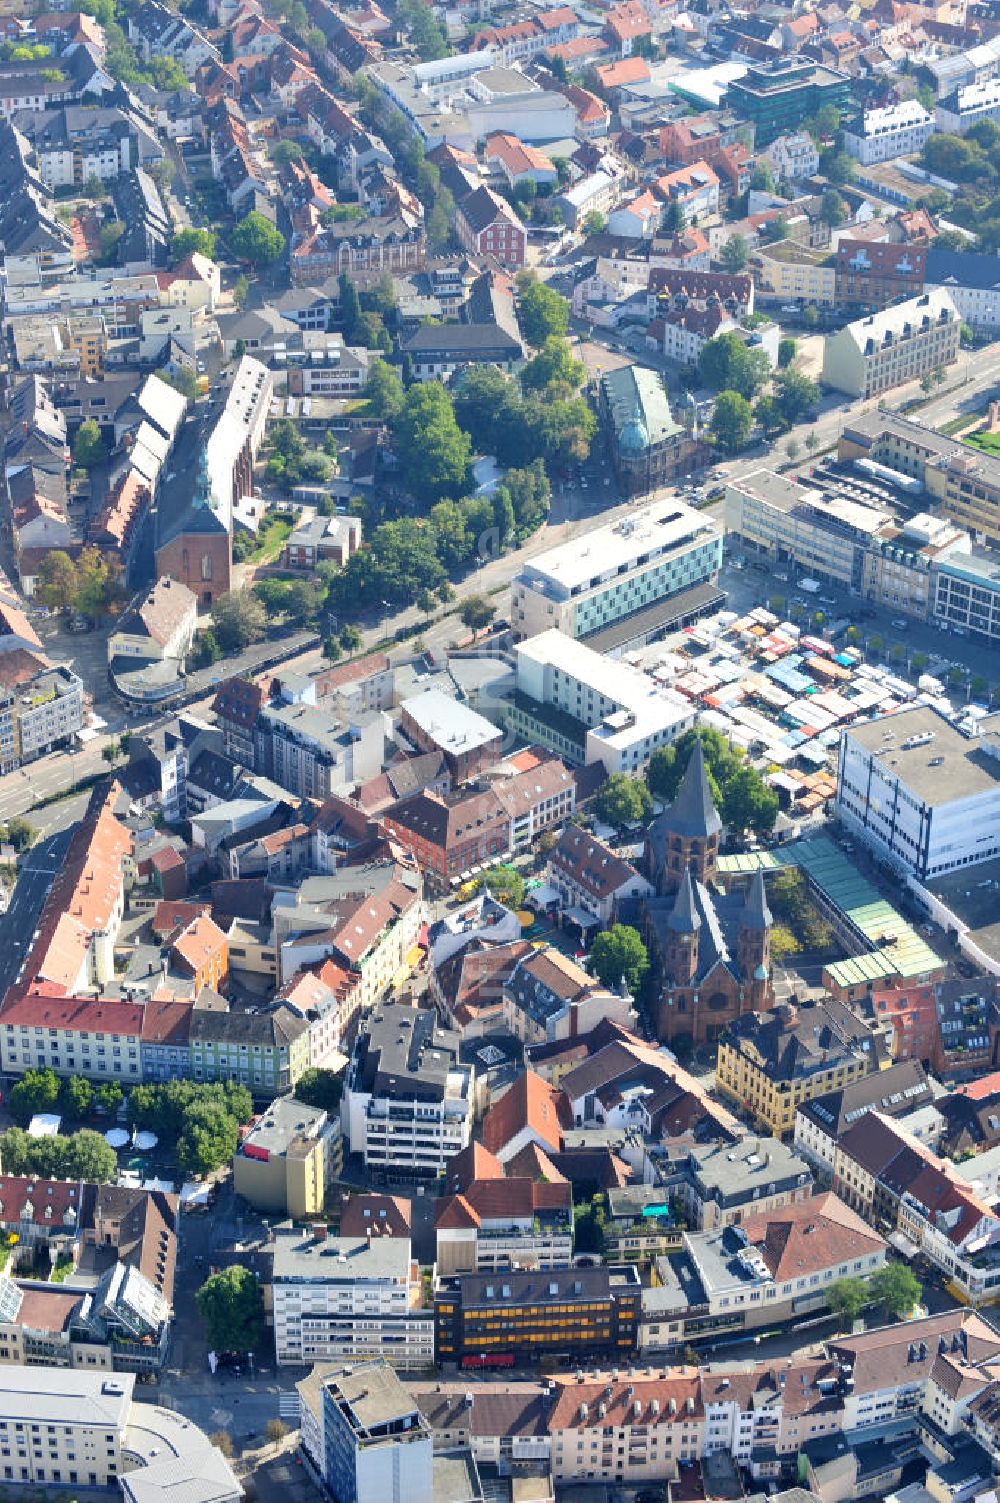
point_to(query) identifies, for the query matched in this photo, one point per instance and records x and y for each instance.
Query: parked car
(899, 623)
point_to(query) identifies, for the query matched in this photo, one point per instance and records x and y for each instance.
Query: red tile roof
(529, 1103)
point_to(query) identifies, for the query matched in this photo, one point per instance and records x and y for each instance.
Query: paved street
(17, 925)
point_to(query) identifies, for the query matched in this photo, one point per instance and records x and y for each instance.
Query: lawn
(272, 537)
(989, 443)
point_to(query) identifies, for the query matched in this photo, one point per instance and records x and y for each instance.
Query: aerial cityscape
(500, 751)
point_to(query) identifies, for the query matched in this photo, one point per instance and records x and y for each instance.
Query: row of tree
(85, 1155)
(74, 1097)
(88, 584)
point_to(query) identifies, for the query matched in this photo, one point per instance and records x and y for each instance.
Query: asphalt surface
(17, 925)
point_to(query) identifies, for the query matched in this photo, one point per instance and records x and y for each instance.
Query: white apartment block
(622, 714)
(893, 347)
(900, 130)
(347, 1299)
(408, 1101)
(793, 157)
(919, 793)
(625, 567)
(967, 106)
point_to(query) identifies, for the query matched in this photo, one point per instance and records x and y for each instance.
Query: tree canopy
(257, 240)
(232, 1309)
(727, 363)
(618, 954)
(89, 448)
(622, 800)
(238, 619)
(732, 421)
(542, 311)
(433, 451)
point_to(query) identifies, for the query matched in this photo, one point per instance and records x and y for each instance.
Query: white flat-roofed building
(617, 571)
(590, 708)
(435, 721)
(62, 1427)
(899, 130)
(925, 797)
(346, 1299)
(967, 106)
(898, 345)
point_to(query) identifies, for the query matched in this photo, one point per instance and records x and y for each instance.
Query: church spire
(756, 914)
(692, 813)
(684, 916)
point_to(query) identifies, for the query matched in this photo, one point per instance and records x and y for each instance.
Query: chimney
(319, 1231)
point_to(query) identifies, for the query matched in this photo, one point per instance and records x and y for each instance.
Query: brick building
(871, 274)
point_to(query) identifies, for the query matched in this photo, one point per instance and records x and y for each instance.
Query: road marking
(289, 1405)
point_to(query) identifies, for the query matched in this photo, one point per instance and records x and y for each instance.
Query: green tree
(384, 391)
(89, 1157)
(553, 366)
(257, 240)
(594, 223)
(238, 619)
(241, 288)
(20, 834)
(433, 451)
(674, 220)
(189, 241)
(475, 612)
(208, 1139)
(748, 803)
(762, 178)
(833, 210)
(622, 800)
(57, 581)
(98, 578)
(426, 32)
(542, 311)
(795, 393)
(826, 121)
(320, 1088)
(838, 167)
(847, 1298)
(108, 1096)
(284, 152)
(350, 638)
(76, 1097)
(734, 254)
(588, 1226)
(36, 1091)
(896, 1288)
(787, 351)
(618, 954)
(732, 421)
(89, 448)
(776, 229)
(506, 884)
(726, 363)
(792, 449)
(668, 765)
(232, 1310)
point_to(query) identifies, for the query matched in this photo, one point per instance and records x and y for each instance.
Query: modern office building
(639, 571)
(407, 1106)
(967, 595)
(512, 1317)
(778, 96)
(376, 1442)
(922, 795)
(899, 130)
(589, 708)
(963, 482)
(648, 447)
(890, 348)
(855, 543)
(347, 1298)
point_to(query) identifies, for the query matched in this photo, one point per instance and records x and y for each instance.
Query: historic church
(710, 950)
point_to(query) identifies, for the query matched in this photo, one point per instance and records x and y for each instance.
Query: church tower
(685, 837)
(681, 958)
(754, 946)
